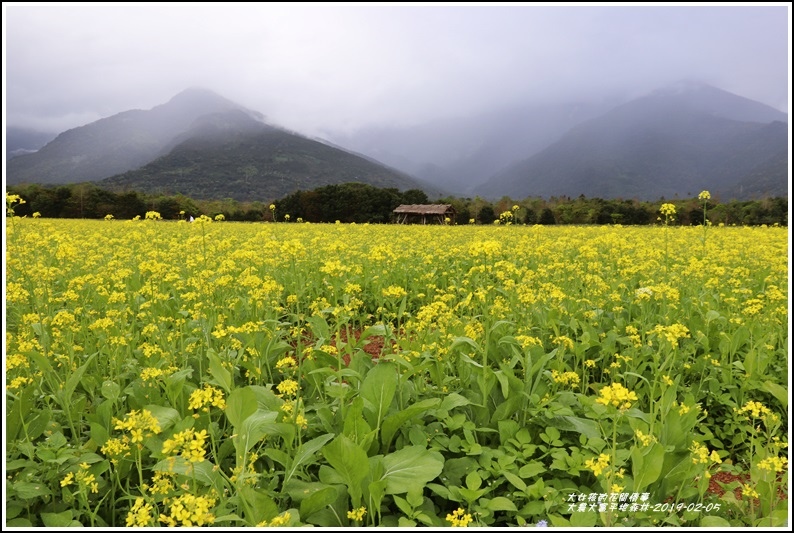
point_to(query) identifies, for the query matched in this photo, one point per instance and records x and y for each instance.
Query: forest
(362, 203)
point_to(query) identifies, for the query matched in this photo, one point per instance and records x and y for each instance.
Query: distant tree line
(361, 203)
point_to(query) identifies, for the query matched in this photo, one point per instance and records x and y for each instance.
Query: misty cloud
(323, 68)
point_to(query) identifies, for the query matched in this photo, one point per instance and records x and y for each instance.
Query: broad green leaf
(318, 500)
(514, 480)
(500, 503)
(240, 404)
(219, 372)
(256, 506)
(646, 465)
(305, 452)
(586, 427)
(350, 462)
(777, 391)
(584, 519)
(714, 521)
(74, 379)
(452, 401)
(111, 390)
(531, 470)
(378, 390)
(166, 416)
(395, 421)
(63, 519)
(257, 426)
(410, 467)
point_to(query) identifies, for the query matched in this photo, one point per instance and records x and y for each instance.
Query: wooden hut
(424, 213)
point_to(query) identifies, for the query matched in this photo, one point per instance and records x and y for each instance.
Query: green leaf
(257, 426)
(111, 390)
(350, 462)
(412, 466)
(74, 379)
(514, 480)
(714, 521)
(393, 422)
(531, 470)
(166, 416)
(646, 465)
(378, 391)
(584, 519)
(219, 372)
(777, 391)
(240, 404)
(30, 491)
(500, 503)
(318, 500)
(452, 401)
(257, 506)
(305, 452)
(63, 519)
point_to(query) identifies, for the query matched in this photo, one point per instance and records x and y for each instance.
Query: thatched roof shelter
(424, 213)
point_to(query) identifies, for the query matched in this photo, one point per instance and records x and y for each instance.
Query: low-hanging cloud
(319, 68)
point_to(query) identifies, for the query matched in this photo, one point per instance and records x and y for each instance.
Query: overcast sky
(318, 68)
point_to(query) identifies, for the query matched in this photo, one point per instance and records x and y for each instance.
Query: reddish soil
(725, 478)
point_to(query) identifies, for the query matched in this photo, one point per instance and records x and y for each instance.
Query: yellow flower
(748, 491)
(357, 514)
(140, 514)
(667, 380)
(598, 465)
(646, 440)
(617, 395)
(288, 386)
(704, 195)
(459, 518)
(773, 464)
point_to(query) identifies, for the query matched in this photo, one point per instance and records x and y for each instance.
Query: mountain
(232, 155)
(20, 141)
(460, 153)
(112, 145)
(673, 142)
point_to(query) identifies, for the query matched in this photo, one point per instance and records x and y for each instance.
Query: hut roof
(425, 209)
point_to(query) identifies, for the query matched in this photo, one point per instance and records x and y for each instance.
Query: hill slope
(116, 144)
(670, 143)
(230, 155)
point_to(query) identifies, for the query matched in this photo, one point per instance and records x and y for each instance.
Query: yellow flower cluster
(84, 478)
(668, 210)
(748, 491)
(280, 520)
(672, 333)
(115, 448)
(188, 444)
(701, 455)
(394, 292)
(189, 510)
(774, 464)
(598, 465)
(459, 518)
(704, 195)
(617, 395)
(286, 362)
(288, 386)
(203, 398)
(357, 514)
(644, 439)
(565, 378)
(140, 514)
(137, 423)
(756, 410)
